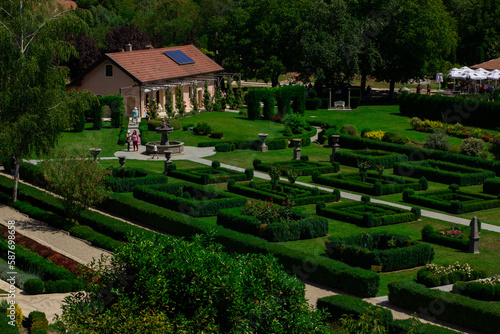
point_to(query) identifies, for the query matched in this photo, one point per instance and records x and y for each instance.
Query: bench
(337, 104)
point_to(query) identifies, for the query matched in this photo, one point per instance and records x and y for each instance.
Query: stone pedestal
(167, 162)
(263, 147)
(296, 150)
(335, 146)
(474, 236)
(95, 152)
(121, 160)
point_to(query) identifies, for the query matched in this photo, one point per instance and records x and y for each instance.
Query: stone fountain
(165, 145)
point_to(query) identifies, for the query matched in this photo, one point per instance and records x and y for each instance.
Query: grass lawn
(233, 125)
(105, 139)
(386, 118)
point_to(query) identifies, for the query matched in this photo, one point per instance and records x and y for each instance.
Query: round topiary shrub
(395, 138)
(454, 187)
(473, 147)
(417, 212)
(253, 185)
(431, 280)
(304, 158)
(215, 164)
(365, 199)
(336, 194)
(256, 162)
(249, 173)
(231, 183)
(349, 129)
(33, 286)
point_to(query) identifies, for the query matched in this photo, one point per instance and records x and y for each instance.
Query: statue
(165, 123)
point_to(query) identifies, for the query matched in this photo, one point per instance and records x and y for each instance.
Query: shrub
(364, 131)
(492, 186)
(473, 147)
(349, 129)
(33, 286)
(375, 135)
(215, 164)
(186, 127)
(437, 140)
(202, 129)
(37, 323)
(295, 122)
(365, 199)
(313, 103)
(424, 183)
(217, 134)
(225, 147)
(249, 173)
(495, 148)
(395, 138)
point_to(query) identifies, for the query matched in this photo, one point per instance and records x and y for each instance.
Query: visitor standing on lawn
(135, 140)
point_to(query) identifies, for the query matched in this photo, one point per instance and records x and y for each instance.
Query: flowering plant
(453, 232)
(269, 213)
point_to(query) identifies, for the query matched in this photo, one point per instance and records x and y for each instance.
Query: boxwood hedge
(443, 172)
(125, 179)
(432, 236)
(391, 251)
(193, 200)
(300, 228)
(478, 290)
(302, 167)
(206, 175)
(492, 186)
(374, 157)
(367, 214)
(467, 312)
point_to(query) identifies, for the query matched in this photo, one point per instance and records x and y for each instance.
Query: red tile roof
(490, 65)
(152, 65)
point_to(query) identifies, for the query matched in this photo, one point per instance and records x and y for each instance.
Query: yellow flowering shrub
(19, 315)
(376, 135)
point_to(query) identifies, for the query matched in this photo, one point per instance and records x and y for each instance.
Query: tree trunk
(16, 180)
(391, 88)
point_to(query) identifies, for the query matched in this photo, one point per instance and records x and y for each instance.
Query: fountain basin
(174, 147)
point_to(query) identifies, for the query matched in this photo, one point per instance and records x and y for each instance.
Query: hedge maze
(390, 251)
(208, 175)
(300, 195)
(373, 185)
(374, 157)
(443, 172)
(193, 200)
(297, 229)
(300, 166)
(452, 201)
(367, 214)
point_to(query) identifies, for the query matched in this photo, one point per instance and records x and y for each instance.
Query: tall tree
(257, 45)
(419, 36)
(32, 86)
(123, 35)
(88, 53)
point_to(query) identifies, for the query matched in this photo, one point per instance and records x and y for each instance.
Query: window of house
(109, 70)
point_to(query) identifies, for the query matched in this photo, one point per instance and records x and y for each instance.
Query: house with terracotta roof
(490, 65)
(144, 76)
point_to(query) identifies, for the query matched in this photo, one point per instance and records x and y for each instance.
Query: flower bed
(367, 214)
(443, 172)
(193, 200)
(300, 166)
(207, 175)
(373, 185)
(386, 159)
(435, 275)
(300, 195)
(457, 130)
(452, 201)
(456, 237)
(482, 289)
(272, 222)
(390, 251)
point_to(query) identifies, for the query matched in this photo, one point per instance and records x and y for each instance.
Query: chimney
(128, 47)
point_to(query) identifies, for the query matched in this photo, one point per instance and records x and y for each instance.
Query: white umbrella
(494, 75)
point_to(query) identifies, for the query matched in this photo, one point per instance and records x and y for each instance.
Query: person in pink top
(135, 140)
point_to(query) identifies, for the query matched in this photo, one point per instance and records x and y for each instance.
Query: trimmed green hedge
(492, 186)
(366, 214)
(193, 200)
(391, 251)
(478, 290)
(37, 323)
(460, 201)
(300, 166)
(125, 179)
(338, 305)
(300, 228)
(287, 94)
(471, 112)
(253, 98)
(374, 157)
(316, 268)
(469, 313)
(207, 175)
(262, 191)
(373, 186)
(403, 326)
(418, 154)
(443, 172)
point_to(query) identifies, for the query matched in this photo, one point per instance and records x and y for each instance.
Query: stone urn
(297, 150)
(95, 152)
(263, 146)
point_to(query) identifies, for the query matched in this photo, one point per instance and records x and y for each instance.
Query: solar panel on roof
(179, 57)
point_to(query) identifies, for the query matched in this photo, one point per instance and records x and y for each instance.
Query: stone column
(474, 236)
(263, 147)
(296, 150)
(335, 146)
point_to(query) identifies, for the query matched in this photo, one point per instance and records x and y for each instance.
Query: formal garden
(299, 216)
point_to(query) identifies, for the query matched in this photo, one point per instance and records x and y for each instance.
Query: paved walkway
(61, 242)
